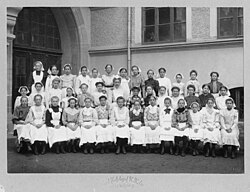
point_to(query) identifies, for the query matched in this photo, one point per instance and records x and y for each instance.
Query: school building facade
(179, 39)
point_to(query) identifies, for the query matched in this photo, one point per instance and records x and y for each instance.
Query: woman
(67, 79)
(211, 126)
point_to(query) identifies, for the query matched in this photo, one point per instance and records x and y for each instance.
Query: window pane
(226, 12)
(226, 27)
(240, 11)
(179, 14)
(179, 31)
(240, 26)
(149, 34)
(150, 17)
(164, 33)
(164, 15)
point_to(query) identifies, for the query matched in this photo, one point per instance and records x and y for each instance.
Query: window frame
(235, 23)
(156, 26)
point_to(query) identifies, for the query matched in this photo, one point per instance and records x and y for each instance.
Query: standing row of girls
(82, 111)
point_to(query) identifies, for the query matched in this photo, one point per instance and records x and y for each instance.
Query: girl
(152, 82)
(215, 85)
(176, 96)
(164, 81)
(108, 81)
(196, 131)
(82, 78)
(88, 120)
(104, 131)
(211, 126)
(55, 91)
(137, 127)
(166, 132)
(178, 77)
(162, 96)
(191, 96)
(84, 94)
(97, 94)
(37, 75)
(57, 134)
(182, 121)
(94, 79)
(123, 73)
(221, 100)
(229, 128)
(193, 81)
(67, 79)
(38, 90)
(152, 129)
(23, 130)
(38, 130)
(205, 95)
(53, 73)
(65, 100)
(118, 91)
(23, 90)
(70, 121)
(120, 121)
(149, 93)
(137, 80)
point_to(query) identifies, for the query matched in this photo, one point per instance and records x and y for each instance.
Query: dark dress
(219, 85)
(48, 117)
(133, 118)
(203, 99)
(154, 83)
(191, 99)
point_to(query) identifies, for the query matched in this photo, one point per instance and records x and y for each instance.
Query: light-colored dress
(151, 118)
(166, 83)
(196, 124)
(229, 119)
(88, 117)
(117, 92)
(67, 81)
(93, 81)
(221, 102)
(160, 100)
(181, 86)
(36, 78)
(53, 92)
(125, 87)
(120, 116)
(37, 115)
(96, 95)
(197, 85)
(48, 84)
(108, 81)
(137, 127)
(211, 119)
(166, 122)
(104, 134)
(175, 101)
(32, 96)
(181, 119)
(56, 135)
(80, 80)
(65, 101)
(70, 119)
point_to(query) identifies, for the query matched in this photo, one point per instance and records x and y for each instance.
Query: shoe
(102, 151)
(177, 150)
(183, 154)
(194, 153)
(141, 149)
(62, 148)
(162, 150)
(171, 152)
(123, 150)
(57, 148)
(29, 149)
(43, 148)
(134, 149)
(225, 154)
(85, 151)
(107, 150)
(69, 146)
(91, 150)
(233, 155)
(213, 153)
(118, 150)
(36, 148)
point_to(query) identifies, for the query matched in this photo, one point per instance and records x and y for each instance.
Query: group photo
(134, 90)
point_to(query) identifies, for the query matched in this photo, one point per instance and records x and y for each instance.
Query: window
(37, 28)
(230, 22)
(165, 24)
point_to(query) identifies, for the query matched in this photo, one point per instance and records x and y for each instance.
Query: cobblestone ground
(111, 163)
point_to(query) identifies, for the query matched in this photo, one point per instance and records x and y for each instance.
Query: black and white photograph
(125, 92)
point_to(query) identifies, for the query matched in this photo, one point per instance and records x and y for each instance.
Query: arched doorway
(37, 38)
